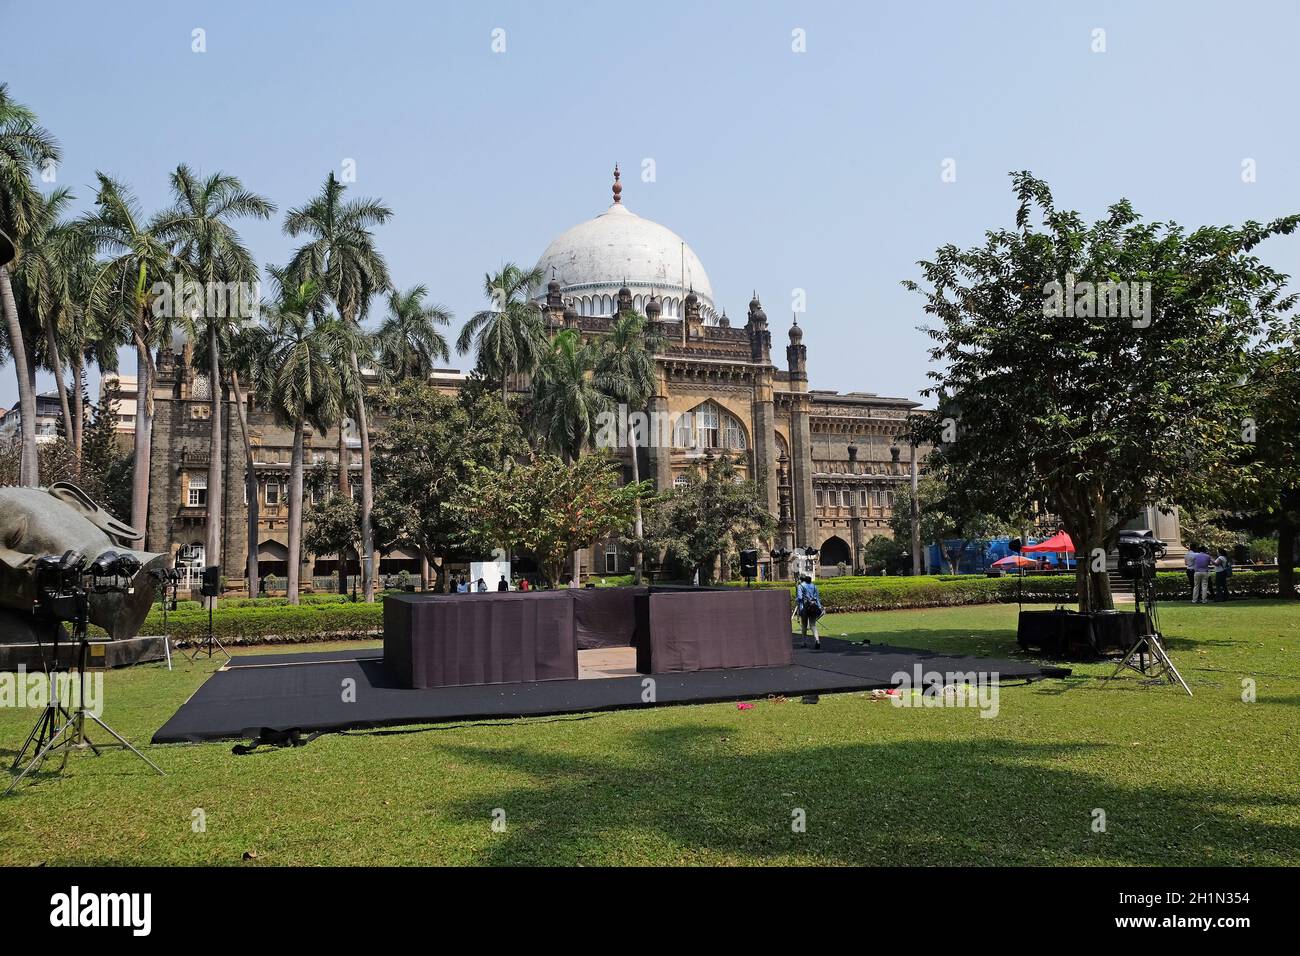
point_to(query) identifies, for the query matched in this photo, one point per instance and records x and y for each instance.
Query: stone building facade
(830, 463)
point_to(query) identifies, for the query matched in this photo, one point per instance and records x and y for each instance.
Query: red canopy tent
(1013, 561)
(1058, 543)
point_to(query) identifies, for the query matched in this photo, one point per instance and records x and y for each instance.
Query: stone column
(802, 468)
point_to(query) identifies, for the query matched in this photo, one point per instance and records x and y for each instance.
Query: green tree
(333, 526)
(423, 462)
(946, 521)
(300, 380)
(1263, 494)
(408, 343)
(1093, 369)
(210, 252)
(567, 400)
(508, 338)
(24, 146)
(546, 506)
(626, 371)
(342, 257)
(884, 554)
(712, 515)
(124, 290)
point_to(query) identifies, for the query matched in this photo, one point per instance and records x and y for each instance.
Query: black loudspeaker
(1015, 545)
(210, 584)
(749, 563)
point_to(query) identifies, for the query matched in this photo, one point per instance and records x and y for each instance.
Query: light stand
(72, 734)
(1148, 656)
(53, 715)
(209, 588)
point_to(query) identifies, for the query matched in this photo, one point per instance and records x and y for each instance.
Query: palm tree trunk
(344, 486)
(212, 540)
(28, 464)
(368, 557)
(78, 410)
(636, 505)
(143, 438)
(56, 366)
(250, 485)
(295, 512)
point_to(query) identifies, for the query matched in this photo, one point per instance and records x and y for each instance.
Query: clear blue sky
(817, 170)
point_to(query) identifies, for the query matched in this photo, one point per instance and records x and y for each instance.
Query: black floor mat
(310, 691)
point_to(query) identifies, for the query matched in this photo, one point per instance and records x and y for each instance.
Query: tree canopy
(1094, 369)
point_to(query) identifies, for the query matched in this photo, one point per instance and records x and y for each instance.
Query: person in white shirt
(1189, 561)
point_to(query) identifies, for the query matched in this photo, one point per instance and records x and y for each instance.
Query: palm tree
(508, 339)
(23, 146)
(298, 377)
(121, 291)
(341, 256)
(408, 342)
(627, 372)
(44, 286)
(566, 400)
(209, 251)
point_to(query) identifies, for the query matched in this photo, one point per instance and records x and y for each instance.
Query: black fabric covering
(605, 617)
(258, 691)
(705, 630)
(441, 640)
(1070, 634)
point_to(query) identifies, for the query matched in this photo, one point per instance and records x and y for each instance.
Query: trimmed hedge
(266, 622)
(335, 617)
(892, 593)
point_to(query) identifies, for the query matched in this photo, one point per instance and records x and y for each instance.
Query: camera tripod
(210, 643)
(1148, 656)
(70, 734)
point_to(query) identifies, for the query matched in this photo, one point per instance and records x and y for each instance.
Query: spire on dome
(618, 188)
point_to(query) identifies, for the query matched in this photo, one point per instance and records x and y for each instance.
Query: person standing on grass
(808, 605)
(1202, 570)
(1222, 571)
(1189, 562)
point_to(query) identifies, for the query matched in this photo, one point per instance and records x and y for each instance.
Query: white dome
(594, 259)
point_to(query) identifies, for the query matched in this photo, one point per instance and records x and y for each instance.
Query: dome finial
(618, 188)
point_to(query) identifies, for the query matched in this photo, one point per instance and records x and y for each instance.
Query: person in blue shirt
(808, 605)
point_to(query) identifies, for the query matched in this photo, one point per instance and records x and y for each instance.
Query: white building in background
(47, 419)
(127, 390)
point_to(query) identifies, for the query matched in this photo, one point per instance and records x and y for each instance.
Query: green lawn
(1209, 780)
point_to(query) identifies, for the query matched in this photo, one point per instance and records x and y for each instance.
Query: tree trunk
(56, 366)
(143, 440)
(1093, 586)
(250, 485)
(78, 410)
(28, 464)
(368, 558)
(295, 512)
(424, 571)
(636, 524)
(345, 487)
(1286, 535)
(216, 474)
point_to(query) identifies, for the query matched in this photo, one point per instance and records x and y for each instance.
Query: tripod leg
(40, 756)
(1159, 651)
(127, 744)
(1135, 649)
(43, 725)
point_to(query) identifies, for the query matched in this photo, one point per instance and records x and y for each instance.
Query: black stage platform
(304, 691)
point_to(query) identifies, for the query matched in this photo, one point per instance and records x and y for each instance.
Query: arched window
(638, 303)
(709, 426)
(679, 481)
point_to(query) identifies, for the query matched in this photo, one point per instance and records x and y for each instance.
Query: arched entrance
(835, 550)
